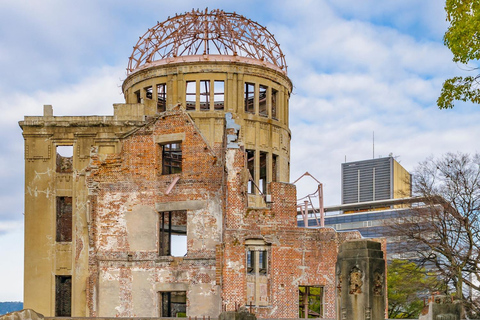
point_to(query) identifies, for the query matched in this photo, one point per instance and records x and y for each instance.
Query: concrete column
(360, 279)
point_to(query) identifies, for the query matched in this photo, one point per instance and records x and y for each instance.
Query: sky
(359, 68)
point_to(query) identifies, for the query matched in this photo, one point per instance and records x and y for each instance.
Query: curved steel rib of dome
(206, 33)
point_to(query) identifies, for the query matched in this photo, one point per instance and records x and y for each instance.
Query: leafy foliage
(408, 285)
(463, 39)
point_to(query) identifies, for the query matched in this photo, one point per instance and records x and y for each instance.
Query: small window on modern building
(251, 169)
(63, 296)
(172, 158)
(274, 103)
(161, 97)
(204, 95)
(137, 96)
(262, 182)
(310, 302)
(262, 101)
(191, 95)
(249, 97)
(64, 159)
(64, 219)
(173, 304)
(219, 95)
(173, 233)
(149, 92)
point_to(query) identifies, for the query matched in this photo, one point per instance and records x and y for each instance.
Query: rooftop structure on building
(179, 204)
(373, 180)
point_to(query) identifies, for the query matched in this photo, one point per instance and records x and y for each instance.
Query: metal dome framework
(206, 33)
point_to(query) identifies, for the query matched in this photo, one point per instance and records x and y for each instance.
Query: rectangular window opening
(219, 95)
(263, 173)
(249, 96)
(251, 262)
(274, 103)
(137, 96)
(251, 170)
(63, 296)
(262, 262)
(204, 95)
(191, 95)
(64, 161)
(310, 302)
(161, 97)
(172, 158)
(64, 219)
(173, 304)
(149, 92)
(262, 101)
(274, 167)
(173, 233)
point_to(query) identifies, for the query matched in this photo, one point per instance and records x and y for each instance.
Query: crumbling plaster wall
(127, 193)
(46, 258)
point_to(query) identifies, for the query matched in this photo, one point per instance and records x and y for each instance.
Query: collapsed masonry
(178, 204)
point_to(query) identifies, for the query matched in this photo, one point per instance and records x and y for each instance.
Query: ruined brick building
(180, 203)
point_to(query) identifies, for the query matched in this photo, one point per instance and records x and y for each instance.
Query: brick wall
(125, 189)
(298, 256)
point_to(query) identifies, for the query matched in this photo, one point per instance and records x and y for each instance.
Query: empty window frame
(274, 167)
(173, 233)
(251, 262)
(171, 158)
(262, 182)
(249, 97)
(274, 103)
(204, 95)
(219, 95)
(149, 92)
(251, 169)
(138, 98)
(64, 161)
(310, 302)
(63, 296)
(173, 304)
(262, 262)
(257, 261)
(161, 97)
(191, 95)
(262, 101)
(64, 219)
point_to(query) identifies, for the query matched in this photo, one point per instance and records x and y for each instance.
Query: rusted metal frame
(256, 41)
(320, 198)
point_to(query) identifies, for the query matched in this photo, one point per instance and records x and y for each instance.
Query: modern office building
(375, 192)
(373, 180)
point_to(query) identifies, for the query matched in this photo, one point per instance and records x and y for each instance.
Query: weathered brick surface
(133, 178)
(217, 234)
(298, 256)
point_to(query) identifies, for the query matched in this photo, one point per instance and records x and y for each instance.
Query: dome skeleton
(206, 33)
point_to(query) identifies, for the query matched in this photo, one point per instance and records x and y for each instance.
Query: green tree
(445, 230)
(408, 285)
(463, 39)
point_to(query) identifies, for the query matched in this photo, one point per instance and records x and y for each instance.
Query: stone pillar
(360, 280)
